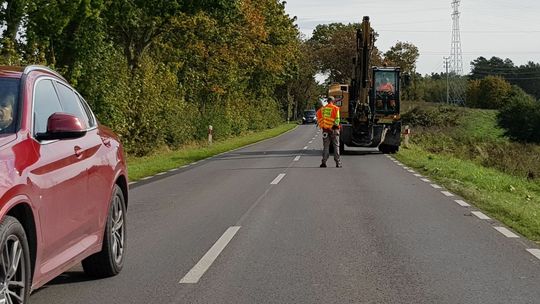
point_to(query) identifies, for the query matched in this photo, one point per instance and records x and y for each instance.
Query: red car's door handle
(78, 151)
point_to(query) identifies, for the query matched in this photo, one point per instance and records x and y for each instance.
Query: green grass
(471, 156)
(139, 167)
(481, 125)
(513, 200)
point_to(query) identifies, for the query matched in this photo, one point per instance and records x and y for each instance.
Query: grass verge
(513, 200)
(139, 167)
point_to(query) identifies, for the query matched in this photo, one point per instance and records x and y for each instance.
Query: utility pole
(447, 66)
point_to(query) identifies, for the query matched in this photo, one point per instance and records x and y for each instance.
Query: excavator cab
(385, 91)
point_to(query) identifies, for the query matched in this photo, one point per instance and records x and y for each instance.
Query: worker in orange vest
(328, 120)
(386, 86)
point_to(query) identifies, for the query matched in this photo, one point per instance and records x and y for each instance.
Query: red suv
(63, 184)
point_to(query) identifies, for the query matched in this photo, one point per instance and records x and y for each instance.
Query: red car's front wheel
(14, 263)
(110, 260)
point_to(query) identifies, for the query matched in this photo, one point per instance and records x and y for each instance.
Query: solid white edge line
(194, 275)
(297, 158)
(132, 183)
(161, 173)
(480, 215)
(535, 252)
(278, 179)
(462, 203)
(506, 232)
(425, 180)
(172, 170)
(146, 178)
(447, 193)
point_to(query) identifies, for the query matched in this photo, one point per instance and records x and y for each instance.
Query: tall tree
(403, 54)
(335, 47)
(11, 13)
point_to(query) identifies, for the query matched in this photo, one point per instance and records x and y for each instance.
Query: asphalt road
(370, 232)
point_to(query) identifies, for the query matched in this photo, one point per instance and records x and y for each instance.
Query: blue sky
(503, 28)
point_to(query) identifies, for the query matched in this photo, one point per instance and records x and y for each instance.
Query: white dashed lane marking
(480, 215)
(447, 193)
(426, 180)
(194, 275)
(305, 148)
(278, 179)
(535, 252)
(436, 186)
(418, 175)
(462, 203)
(506, 232)
(297, 158)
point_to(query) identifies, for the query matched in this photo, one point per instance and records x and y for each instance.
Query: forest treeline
(159, 72)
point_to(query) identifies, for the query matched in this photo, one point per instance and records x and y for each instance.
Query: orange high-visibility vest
(386, 87)
(328, 116)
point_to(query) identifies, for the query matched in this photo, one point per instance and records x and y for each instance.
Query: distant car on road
(63, 184)
(309, 117)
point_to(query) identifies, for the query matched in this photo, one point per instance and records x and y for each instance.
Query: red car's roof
(11, 71)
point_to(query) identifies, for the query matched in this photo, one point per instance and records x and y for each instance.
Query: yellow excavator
(370, 104)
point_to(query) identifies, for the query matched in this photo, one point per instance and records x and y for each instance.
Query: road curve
(265, 224)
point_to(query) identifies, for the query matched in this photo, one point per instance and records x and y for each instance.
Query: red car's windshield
(9, 103)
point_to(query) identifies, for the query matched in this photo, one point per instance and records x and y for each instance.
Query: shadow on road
(71, 277)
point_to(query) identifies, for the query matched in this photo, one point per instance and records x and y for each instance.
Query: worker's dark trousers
(331, 138)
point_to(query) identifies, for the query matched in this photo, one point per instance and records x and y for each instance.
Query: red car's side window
(46, 103)
(71, 104)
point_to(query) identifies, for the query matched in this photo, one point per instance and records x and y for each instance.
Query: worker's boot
(338, 165)
(323, 165)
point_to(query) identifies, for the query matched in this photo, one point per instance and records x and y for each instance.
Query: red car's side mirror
(62, 126)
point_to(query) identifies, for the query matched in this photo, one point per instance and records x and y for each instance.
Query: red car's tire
(110, 260)
(15, 266)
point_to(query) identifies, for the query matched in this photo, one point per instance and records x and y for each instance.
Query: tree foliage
(525, 76)
(159, 72)
(520, 117)
(334, 46)
(403, 55)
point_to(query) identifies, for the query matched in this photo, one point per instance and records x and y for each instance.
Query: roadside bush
(440, 116)
(491, 92)
(521, 119)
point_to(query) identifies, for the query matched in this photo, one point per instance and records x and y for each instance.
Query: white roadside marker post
(210, 134)
(406, 134)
